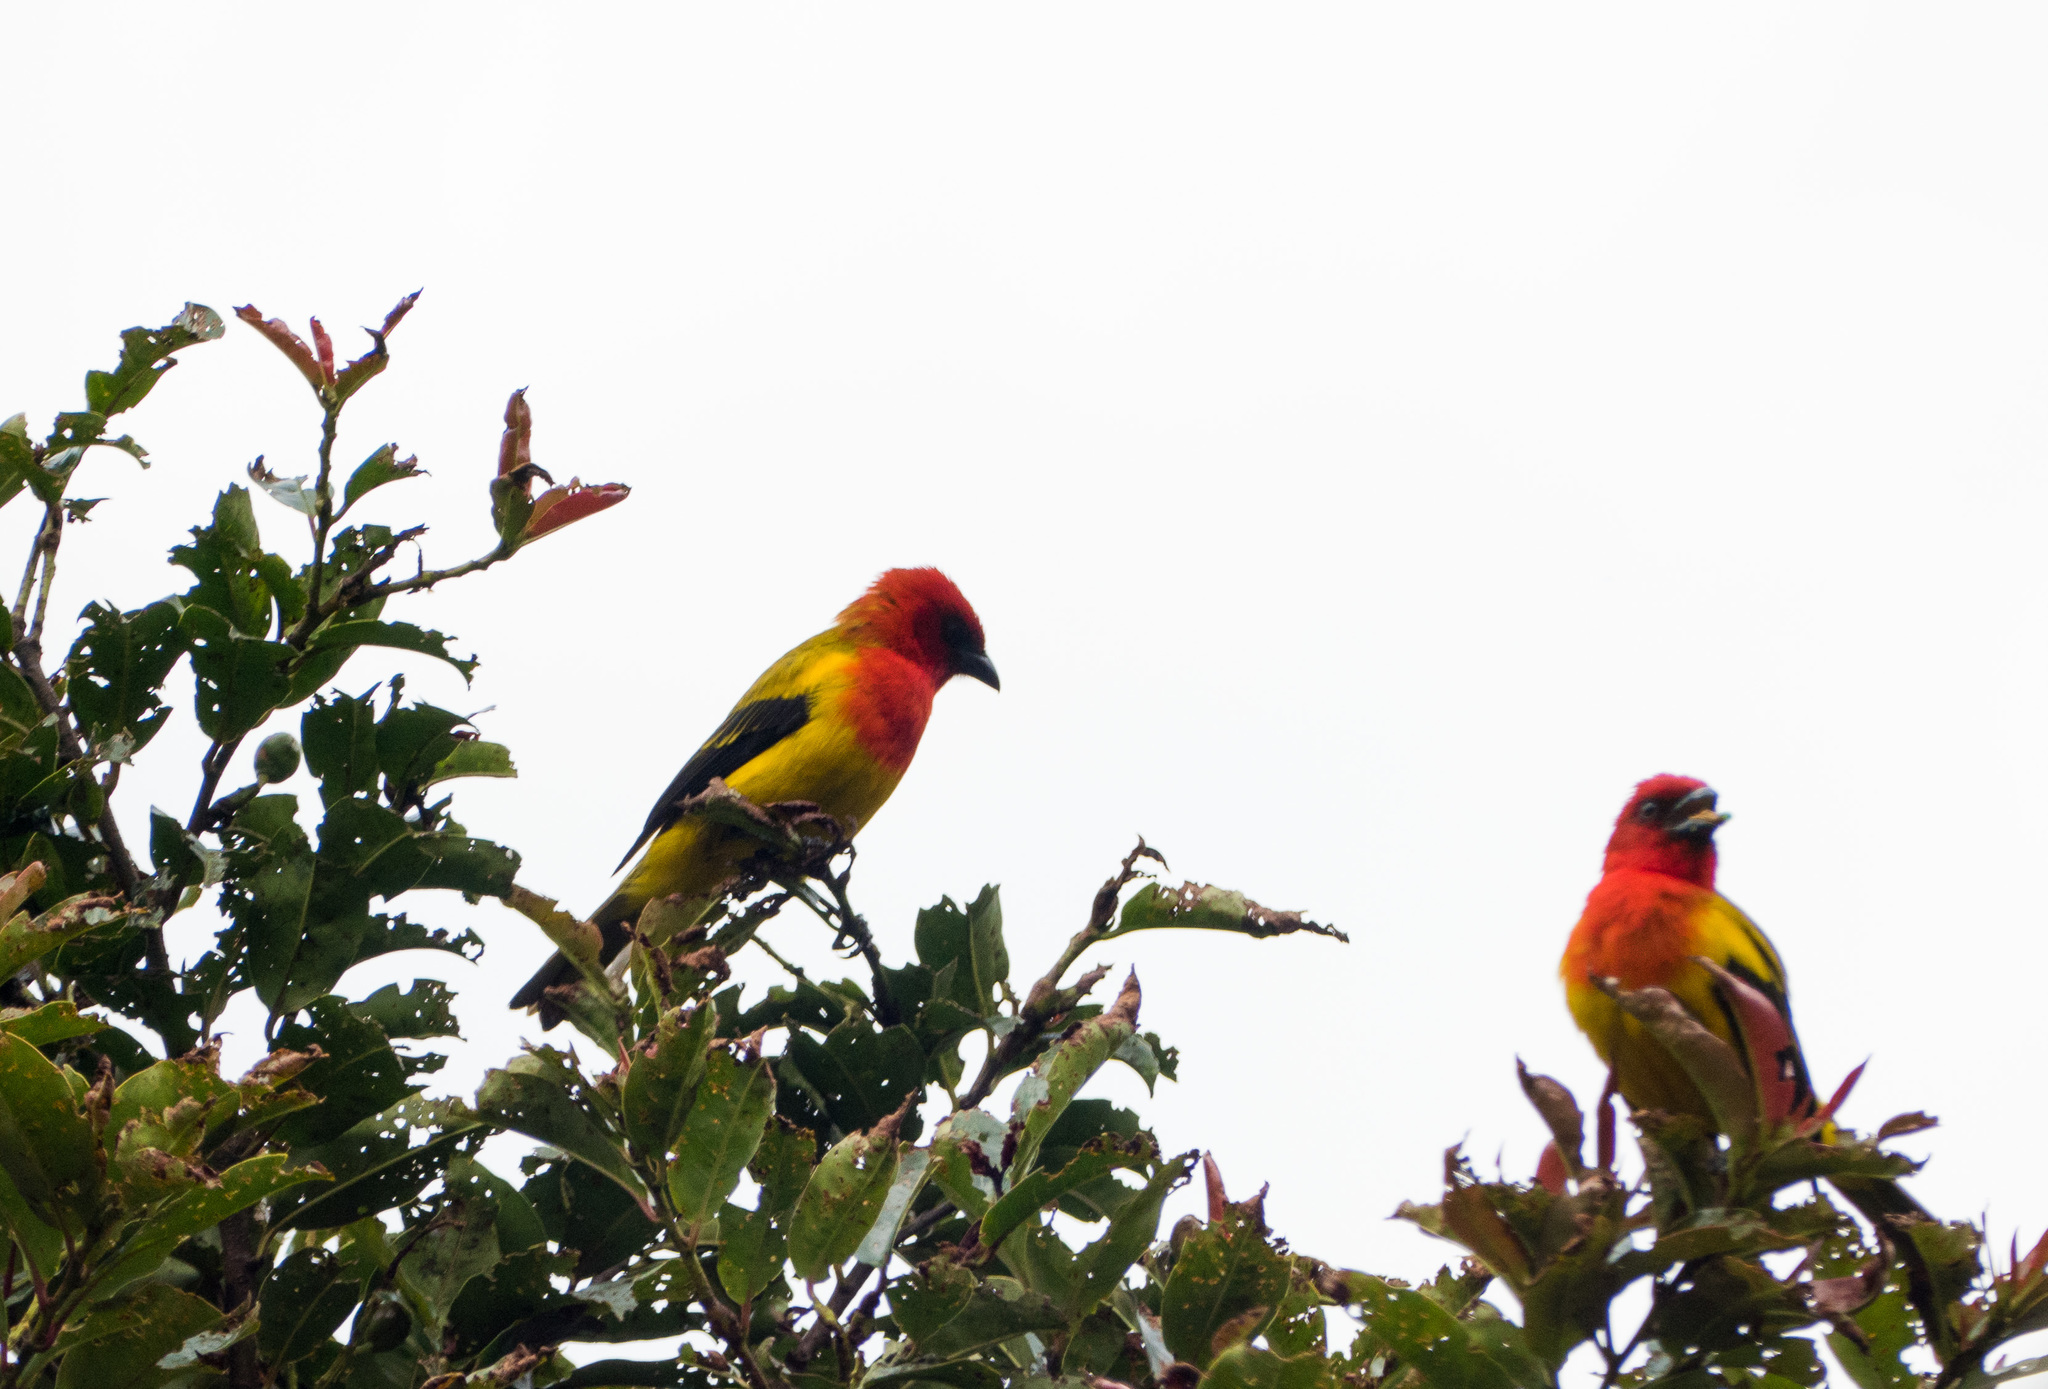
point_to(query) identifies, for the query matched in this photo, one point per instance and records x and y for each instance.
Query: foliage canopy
(890, 1179)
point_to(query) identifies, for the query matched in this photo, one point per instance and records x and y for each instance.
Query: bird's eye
(1649, 810)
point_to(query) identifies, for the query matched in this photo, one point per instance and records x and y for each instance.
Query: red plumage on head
(910, 611)
(1643, 842)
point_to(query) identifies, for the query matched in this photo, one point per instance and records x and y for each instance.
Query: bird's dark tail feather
(611, 923)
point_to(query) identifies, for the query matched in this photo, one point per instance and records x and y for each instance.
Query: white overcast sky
(1373, 438)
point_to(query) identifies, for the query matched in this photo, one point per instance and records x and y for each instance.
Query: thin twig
(323, 495)
(814, 1335)
(1043, 1003)
(47, 540)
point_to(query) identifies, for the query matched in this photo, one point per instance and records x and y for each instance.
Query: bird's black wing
(747, 732)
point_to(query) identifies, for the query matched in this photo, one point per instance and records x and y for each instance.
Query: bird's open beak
(1696, 814)
(978, 665)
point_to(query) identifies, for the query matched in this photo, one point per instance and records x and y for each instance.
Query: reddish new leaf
(285, 341)
(1768, 1045)
(561, 506)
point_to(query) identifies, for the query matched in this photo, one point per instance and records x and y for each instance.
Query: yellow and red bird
(1648, 922)
(836, 721)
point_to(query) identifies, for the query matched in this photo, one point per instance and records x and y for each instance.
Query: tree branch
(1047, 1001)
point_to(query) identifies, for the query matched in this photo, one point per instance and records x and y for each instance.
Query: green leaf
(960, 1139)
(116, 667)
(47, 1146)
(464, 1243)
(997, 1310)
(862, 1075)
(373, 472)
(1041, 1189)
(17, 460)
(1099, 1269)
(1247, 1367)
(424, 1010)
(403, 636)
(239, 680)
(377, 1166)
(224, 561)
(1224, 1270)
(119, 1343)
(269, 897)
(339, 736)
(842, 1199)
(53, 1022)
(1201, 907)
(880, 1241)
(145, 357)
(1445, 1351)
(263, 1178)
(972, 942)
(472, 757)
(663, 1078)
(537, 1107)
(302, 1302)
(26, 939)
(596, 1219)
(1055, 1078)
(719, 1135)
(359, 1075)
(753, 1243)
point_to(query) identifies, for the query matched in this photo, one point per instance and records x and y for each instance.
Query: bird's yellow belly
(820, 762)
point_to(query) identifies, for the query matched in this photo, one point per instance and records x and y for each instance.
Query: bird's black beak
(979, 666)
(1695, 815)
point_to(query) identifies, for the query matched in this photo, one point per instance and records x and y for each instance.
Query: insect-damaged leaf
(841, 1201)
(756, 1241)
(1201, 907)
(47, 1146)
(119, 1342)
(663, 1076)
(1059, 1074)
(971, 941)
(116, 667)
(404, 636)
(1224, 1270)
(303, 1300)
(373, 472)
(145, 357)
(539, 1108)
(718, 1135)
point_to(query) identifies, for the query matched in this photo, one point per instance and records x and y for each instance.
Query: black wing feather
(747, 732)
